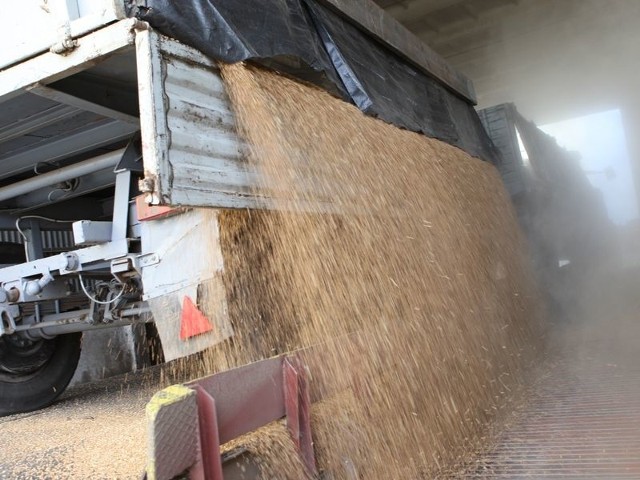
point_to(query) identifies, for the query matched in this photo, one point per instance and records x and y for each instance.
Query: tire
(11, 253)
(34, 380)
(33, 374)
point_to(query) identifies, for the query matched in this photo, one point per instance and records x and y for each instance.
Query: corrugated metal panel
(189, 134)
(192, 152)
(57, 240)
(205, 151)
(10, 236)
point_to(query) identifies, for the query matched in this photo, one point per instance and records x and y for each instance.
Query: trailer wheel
(33, 373)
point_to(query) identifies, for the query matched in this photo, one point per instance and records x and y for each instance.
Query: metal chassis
(42, 279)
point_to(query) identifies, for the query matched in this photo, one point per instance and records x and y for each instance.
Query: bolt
(13, 295)
(73, 262)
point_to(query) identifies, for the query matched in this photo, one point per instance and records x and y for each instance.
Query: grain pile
(401, 254)
(271, 452)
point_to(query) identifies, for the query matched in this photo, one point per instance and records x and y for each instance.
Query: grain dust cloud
(442, 312)
(568, 70)
(399, 257)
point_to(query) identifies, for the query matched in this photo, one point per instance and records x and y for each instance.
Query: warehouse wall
(556, 60)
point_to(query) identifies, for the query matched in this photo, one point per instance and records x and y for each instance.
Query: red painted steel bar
(298, 406)
(239, 401)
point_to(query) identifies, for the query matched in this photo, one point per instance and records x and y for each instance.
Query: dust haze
(568, 61)
(581, 59)
(558, 61)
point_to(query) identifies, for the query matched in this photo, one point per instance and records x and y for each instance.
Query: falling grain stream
(401, 241)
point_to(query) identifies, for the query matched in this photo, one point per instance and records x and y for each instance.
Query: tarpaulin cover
(307, 40)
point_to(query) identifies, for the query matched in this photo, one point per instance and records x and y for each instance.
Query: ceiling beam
(413, 9)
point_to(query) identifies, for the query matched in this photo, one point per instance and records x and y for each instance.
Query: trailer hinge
(66, 45)
(147, 186)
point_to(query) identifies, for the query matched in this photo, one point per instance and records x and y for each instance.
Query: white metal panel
(49, 67)
(189, 263)
(29, 27)
(88, 232)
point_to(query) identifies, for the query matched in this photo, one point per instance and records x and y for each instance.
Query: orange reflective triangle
(192, 322)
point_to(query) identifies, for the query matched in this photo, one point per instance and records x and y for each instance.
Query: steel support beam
(51, 195)
(50, 67)
(120, 95)
(97, 136)
(76, 170)
(121, 206)
(82, 104)
(33, 243)
(35, 122)
(77, 321)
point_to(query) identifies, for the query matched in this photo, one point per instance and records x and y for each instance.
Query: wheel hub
(21, 356)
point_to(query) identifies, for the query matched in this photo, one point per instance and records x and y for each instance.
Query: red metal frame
(210, 463)
(298, 406)
(239, 401)
(153, 212)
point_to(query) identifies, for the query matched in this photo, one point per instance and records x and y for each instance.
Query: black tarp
(334, 54)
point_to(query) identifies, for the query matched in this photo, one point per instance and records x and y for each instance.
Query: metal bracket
(35, 279)
(7, 319)
(67, 43)
(148, 259)
(123, 268)
(64, 46)
(132, 156)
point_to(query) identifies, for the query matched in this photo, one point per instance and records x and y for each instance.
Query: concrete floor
(582, 420)
(95, 431)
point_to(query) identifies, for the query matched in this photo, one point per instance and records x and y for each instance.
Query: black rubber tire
(25, 393)
(11, 253)
(39, 388)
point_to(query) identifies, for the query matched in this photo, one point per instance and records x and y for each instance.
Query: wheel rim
(20, 357)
